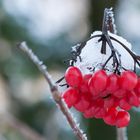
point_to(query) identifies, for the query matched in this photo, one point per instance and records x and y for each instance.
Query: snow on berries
(101, 79)
(102, 95)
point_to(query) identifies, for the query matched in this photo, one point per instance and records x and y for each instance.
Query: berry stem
(108, 25)
(58, 81)
(77, 50)
(128, 50)
(54, 91)
(107, 61)
(122, 134)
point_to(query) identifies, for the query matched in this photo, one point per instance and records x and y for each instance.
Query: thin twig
(54, 90)
(135, 57)
(122, 134)
(107, 61)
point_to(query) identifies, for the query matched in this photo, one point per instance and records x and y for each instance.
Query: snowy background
(50, 28)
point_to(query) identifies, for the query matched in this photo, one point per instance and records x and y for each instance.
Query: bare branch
(54, 90)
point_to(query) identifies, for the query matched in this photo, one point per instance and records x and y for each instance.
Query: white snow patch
(92, 57)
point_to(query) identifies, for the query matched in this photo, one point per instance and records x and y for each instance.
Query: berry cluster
(102, 95)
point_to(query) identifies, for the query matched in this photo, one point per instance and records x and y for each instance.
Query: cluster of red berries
(102, 95)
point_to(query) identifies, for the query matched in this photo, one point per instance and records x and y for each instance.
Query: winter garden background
(50, 28)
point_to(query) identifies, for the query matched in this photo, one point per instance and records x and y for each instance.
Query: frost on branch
(54, 91)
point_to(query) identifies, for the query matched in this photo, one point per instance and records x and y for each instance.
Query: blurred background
(50, 28)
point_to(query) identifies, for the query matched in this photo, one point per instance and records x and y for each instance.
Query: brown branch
(54, 90)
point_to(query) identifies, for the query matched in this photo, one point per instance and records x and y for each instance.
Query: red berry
(128, 80)
(71, 96)
(110, 117)
(137, 88)
(73, 76)
(109, 102)
(104, 93)
(98, 82)
(122, 119)
(120, 93)
(93, 92)
(99, 102)
(95, 110)
(112, 83)
(133, 99)
(90, 112)
(82, 104)
(123, 103)
(84, 85)
(100, 112)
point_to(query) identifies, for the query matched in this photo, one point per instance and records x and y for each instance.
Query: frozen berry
(84, 88)
(82, 104)
(122, 119)
(119, 93)
(123, 103)
(110, 117)
(98, 82)
(112, 83)
(71, 96)
(73, 76)
(133, 99)
(128, 80)
(137, 88)
(90, 112)
(109, 102)
(100, 112)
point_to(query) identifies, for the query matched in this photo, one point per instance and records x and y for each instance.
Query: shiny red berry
(120, 93)
(82, 104)
(133, 99)
(122, 119)
(84, 88)
(100, 112)
(123, 103)
(90, 112)
(112, 83)
(98, 82)
(73, 76)
(128, 80)
(137, 88)
(71, 96)
(104, 94)
(110, 117)
(109, 102)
